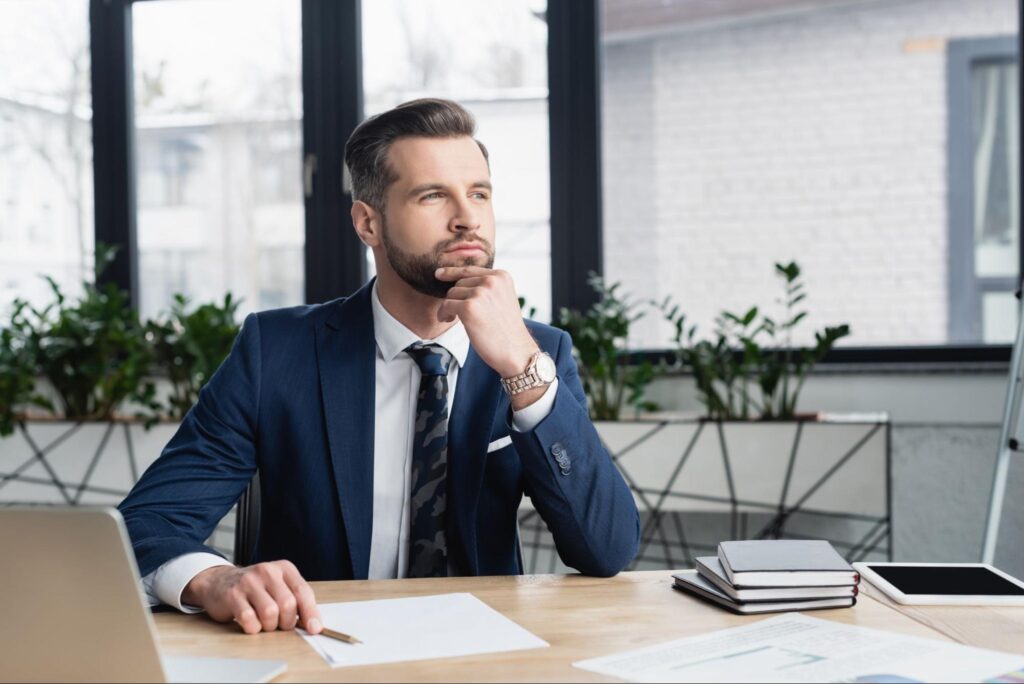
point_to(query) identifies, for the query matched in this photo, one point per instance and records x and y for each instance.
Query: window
(46, 205)
(490, 57)
(218, 148)
(740, 134)
(984, 144)
(168, 170)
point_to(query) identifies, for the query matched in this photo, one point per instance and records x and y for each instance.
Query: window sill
(980, 359)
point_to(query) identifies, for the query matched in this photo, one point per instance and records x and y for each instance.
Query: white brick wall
(816, 136)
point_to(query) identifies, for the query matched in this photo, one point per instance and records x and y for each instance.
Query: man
(395, 431)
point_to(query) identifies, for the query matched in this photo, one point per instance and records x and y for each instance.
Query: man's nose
(465, 218)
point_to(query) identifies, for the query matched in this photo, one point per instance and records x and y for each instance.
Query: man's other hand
(261, 597)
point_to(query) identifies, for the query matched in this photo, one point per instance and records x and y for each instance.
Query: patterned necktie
(428, 548)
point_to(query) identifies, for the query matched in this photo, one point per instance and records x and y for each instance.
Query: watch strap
(527, 380)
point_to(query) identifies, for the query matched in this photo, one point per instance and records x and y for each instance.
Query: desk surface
(581, 617)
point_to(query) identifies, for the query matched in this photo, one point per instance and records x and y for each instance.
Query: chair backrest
(247, 523)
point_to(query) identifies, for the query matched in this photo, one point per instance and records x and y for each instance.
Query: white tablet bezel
(939, 599)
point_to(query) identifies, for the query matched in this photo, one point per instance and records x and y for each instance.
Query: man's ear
(366, 221)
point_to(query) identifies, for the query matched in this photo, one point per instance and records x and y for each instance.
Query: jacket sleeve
(205, 468)
(574, 484)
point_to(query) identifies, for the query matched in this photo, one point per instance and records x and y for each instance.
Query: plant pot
(697, 482)
(60, 463)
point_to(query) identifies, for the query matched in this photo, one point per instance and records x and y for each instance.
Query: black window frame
(332, 94)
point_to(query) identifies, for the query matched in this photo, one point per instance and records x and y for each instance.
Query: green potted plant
(17, 377)
(752, 350)
(90, 350)
(752, 453)
(610, 379)
(189, 345)
(91, 368)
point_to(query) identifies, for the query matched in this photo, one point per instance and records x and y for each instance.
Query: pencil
(340, 636)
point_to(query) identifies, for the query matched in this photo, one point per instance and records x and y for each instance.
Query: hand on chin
(485, 300)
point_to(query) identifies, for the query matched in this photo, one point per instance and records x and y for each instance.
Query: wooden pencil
(340, 636)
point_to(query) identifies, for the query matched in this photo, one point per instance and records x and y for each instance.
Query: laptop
(72, 607)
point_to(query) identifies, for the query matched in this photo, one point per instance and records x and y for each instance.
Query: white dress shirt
(397, 388)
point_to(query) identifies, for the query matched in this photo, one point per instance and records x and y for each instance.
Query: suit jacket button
(557, 449)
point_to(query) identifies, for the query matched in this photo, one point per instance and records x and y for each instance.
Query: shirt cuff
(168, 582)
(531, 416)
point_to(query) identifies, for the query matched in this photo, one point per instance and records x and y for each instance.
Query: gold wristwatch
(539, 372)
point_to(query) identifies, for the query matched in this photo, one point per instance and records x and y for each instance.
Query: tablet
(944, 584)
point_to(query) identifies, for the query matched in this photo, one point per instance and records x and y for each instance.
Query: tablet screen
(948, 581)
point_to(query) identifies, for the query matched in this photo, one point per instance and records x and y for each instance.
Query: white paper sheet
(395, 630)
(797, 648)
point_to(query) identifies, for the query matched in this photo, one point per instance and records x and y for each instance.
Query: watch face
(546, 370)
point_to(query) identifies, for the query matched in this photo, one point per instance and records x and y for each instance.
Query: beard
(417, 270)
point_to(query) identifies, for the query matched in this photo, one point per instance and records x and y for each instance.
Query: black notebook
(691, 582)
(784, 563)
(710, 568)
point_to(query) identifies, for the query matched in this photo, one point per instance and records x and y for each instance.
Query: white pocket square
(499, 443)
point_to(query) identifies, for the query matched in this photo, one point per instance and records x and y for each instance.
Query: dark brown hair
(366, 152)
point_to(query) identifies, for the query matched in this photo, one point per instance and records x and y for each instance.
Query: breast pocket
(499, 443)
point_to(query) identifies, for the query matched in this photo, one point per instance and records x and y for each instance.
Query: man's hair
(366, 152)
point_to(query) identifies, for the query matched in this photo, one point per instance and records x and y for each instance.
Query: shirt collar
(393, 337)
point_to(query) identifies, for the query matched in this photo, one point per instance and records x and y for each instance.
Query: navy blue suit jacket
(295, 400)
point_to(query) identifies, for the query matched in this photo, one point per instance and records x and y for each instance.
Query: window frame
(574, 111)
(110, 36)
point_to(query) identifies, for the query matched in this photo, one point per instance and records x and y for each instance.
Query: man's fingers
(460, 292)
(449, 273)
(309, 612)
(449, 309)
(473, 281)
(287, 604)
(245, 614)
(266, 607)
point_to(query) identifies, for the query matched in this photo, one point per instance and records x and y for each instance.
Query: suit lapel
(476, 400)
(345, 348)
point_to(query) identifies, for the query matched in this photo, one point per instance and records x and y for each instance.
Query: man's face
(438, 212)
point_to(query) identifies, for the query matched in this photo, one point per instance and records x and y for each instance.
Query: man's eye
(480, 195)
(432, 195)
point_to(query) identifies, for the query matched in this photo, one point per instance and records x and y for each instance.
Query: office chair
(247, 523)
(247, 526)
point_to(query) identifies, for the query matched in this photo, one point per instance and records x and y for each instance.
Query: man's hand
(266, 596)
(485, 301)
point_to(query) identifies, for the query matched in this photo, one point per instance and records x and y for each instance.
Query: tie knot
(433, 359)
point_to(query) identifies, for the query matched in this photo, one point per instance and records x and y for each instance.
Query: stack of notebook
(765, 576)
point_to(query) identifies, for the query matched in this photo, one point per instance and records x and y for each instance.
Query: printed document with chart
(797, 648)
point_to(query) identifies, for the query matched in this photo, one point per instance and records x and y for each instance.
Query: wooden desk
(581, 617)
(996, 627)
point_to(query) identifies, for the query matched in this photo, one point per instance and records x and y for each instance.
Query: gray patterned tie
(428, 548)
